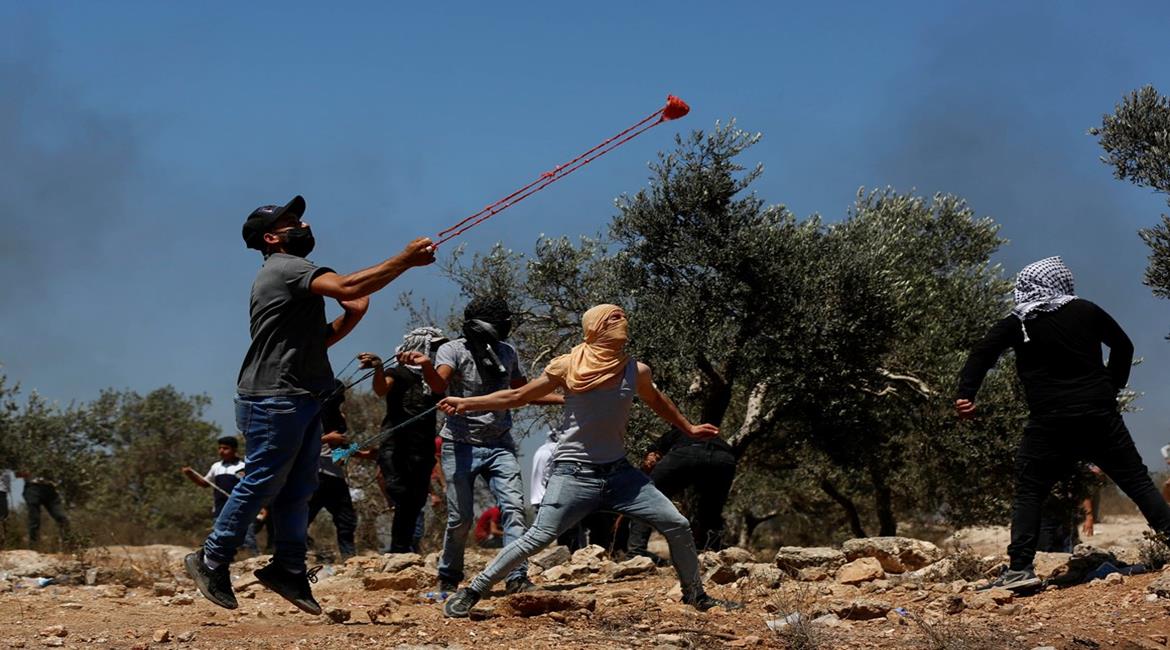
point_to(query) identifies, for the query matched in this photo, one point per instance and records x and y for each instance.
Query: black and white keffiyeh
(1043, 286)
(421, 339)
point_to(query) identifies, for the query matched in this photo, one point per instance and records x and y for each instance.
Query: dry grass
(1154, 550)
(956, 635)
(796, 607)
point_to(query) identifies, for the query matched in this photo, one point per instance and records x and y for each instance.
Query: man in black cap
(285, 376)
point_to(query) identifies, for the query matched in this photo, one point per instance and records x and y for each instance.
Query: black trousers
(333, 495)
(407, 478)
(36, 496)
(708, 471)
(1050, 450)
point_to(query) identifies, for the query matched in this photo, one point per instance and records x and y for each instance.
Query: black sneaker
(1013, 580)
(448, 587)
(703, 602)
(293, 587)
(519, 586)
(215, 585)
(459, 605)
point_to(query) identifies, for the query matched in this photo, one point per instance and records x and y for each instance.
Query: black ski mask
(487, 321)
(299, 241)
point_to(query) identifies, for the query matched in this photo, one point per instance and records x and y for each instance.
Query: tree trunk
(847, 504)
(883, 502)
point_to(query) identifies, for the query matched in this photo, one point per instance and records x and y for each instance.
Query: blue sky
(135, 137)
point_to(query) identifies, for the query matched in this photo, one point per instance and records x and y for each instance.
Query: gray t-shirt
(288, 352)
(486, 427)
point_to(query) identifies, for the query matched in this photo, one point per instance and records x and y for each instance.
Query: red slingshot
(674, 109)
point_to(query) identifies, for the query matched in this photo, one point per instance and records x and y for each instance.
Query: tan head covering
(600, 358)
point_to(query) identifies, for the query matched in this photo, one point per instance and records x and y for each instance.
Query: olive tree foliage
(1136, 141)
(826, 352)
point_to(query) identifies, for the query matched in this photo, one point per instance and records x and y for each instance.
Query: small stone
(536, 603)
(673, 640)
(591, 552)
(54, 630)
(161, 635)
(184, 599)
(163, 589)
(186, 637)
(337, 614)
(410, 578)
(1160, 639)
(111, 591)
(895, 554)
(794, 558)
(1114, 579)
(862, 610)
(91, 576)
(813, 574)
(71, 606)
(54, 642)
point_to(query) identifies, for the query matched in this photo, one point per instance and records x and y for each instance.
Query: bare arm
(353, 312)
(501, 399)
(552, 399)
(442, 379)
(665, 409)
(436, 382)
(359, 284)
(381, 382)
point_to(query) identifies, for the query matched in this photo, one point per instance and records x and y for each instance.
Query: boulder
(794, 558)
(551, 556)
(722, 575)
(896, 554)
(860, 570)
(396, 562)
(24, 563)
(760, 573)
(535, 603)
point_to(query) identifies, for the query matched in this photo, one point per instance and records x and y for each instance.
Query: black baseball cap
(262, 218)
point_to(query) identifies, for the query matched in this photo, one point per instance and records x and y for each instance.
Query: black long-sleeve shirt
(676, 439)
(1060, 366)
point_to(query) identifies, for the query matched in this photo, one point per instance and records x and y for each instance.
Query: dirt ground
(141, 599)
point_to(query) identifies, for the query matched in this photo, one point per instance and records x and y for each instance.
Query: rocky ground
(872, 593)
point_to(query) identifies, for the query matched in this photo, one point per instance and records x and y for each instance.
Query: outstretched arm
(360, 284)
(665, 409)
(982, 358)
(508, 398)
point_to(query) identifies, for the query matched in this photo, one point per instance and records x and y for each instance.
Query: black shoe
(215, 585)
(293, 587)
(448, 587)
(1014, 580)
(703, 602)
(519, 586)
(459, 605)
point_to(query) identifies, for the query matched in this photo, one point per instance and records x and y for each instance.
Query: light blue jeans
(462, 463)
(283, 436)
(578, 489)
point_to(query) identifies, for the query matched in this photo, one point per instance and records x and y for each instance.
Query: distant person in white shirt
(1166, 485)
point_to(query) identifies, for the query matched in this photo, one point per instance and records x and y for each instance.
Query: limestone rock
(163, 589)
(896, 554)
(721, 575)
(734, 555)
(551, 556)
(760, 573)
(161, 635)
(564, 571)
(337, 614)
(860, 570)
(593, 552)
(54, 630)
(396, 562)
(411, 578)
(535, 603)
(634, 566)
(1160, 586)
(813, 574)
(794, 558)
(860, 610)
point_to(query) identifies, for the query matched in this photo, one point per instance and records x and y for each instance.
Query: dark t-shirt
(406, 399)
(675, 439)
(288, 326)
(1061, 365)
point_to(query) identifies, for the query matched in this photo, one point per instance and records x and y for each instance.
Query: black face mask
(299, 241)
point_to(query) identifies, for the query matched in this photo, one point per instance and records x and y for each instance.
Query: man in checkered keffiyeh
(1043, 286)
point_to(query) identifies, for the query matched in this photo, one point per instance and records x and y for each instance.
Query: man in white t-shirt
(541, 468)
(223, 476)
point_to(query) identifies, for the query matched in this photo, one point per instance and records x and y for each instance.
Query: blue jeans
(283, 436)
(578, 489)
(462, 463)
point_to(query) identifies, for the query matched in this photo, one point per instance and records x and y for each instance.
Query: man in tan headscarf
(590, 471)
